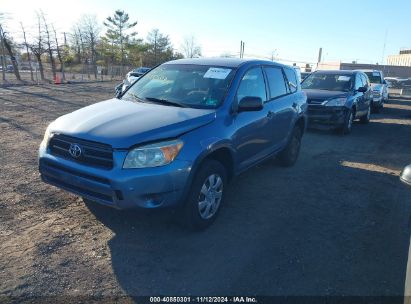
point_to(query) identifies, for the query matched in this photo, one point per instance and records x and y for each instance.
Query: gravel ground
(337, 223)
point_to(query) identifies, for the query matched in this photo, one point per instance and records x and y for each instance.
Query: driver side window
(252, 84)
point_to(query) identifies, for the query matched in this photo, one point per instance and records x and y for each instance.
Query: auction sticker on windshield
(344, 78)
(217, 73)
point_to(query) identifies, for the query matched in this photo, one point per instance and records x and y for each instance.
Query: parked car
(406, 175)
(178, 136)
(398, 87)
(379, 89)
(133, 75)
(304, 75)
(9, 68)
(336, 98)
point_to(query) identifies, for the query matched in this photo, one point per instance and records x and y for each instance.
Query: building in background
(389, 70)
(402, 59)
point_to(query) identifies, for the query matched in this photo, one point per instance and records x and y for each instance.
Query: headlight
(336, 102)
(46, 137)
(153, 155)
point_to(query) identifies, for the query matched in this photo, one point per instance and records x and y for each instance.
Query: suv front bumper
(326, 117)
(118, 188)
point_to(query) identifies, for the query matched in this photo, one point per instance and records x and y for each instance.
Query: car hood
(123, 124)
(324, 94)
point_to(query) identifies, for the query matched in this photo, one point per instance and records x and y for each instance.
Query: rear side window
(292, 79)
(276, 82)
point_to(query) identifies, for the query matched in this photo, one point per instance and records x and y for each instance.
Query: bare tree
(3, 64)
(28, 51)
(50, 45)
(59, 54)
(75, 43)
(7, 44)
(190, 47)
(38, 47)
(90, 32)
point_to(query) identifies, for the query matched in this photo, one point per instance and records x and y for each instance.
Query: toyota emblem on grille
(75, 150)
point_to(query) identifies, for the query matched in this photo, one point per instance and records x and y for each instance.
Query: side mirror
(384, 82)
(250, 103)
(405, 176)
(118, 90)
(362, 89)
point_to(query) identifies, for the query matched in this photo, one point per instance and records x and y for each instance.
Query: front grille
(92, 153)
(315, 101)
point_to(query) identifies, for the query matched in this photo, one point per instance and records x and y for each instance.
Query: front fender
(206, 148)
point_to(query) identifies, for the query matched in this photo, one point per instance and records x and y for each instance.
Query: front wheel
(366, 118)
(206, 195)
(348, 121)
(289, 155)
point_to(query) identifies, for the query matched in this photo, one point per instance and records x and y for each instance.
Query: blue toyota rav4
(177, 136)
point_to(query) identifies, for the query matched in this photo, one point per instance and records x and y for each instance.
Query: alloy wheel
(210, 196)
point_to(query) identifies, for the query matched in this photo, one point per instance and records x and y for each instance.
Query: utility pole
(2, 55)
(383, 49)
(272, 54)
(320, 53)
(242, 49)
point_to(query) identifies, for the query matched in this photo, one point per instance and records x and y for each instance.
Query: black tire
(376, 109)
(348, 121)
(192, 218)
(366, 118)
(289, 155)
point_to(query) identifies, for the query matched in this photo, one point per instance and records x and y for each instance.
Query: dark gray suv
(336, 98)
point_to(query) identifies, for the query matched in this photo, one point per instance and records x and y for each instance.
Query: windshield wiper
(135, 97)
(165, 102)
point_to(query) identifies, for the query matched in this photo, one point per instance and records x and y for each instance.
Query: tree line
(91, 44)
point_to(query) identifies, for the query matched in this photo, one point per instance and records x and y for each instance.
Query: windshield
(195, 86)
(374, 77)
(329, 82)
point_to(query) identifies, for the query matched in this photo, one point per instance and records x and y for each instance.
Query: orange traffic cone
(57, 79)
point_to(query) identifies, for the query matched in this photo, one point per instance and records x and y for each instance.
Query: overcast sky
(294, 30)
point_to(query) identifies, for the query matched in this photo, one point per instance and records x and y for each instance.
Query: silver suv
(379, 89)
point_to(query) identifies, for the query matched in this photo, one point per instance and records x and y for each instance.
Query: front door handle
(270, 114)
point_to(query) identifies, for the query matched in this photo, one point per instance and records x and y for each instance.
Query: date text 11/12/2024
(238, 299)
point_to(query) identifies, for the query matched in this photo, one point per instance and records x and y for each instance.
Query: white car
(379, 89)
(133, 75)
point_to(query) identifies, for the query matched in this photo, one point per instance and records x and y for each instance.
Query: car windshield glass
(374, 77)
(329, 82)
(195, 86)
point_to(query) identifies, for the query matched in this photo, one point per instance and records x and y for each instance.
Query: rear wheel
(206, 195)
(376, 108)
(289, 155)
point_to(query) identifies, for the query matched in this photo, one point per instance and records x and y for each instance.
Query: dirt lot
(337, 223)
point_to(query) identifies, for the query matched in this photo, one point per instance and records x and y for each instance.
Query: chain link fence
(64, 74)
